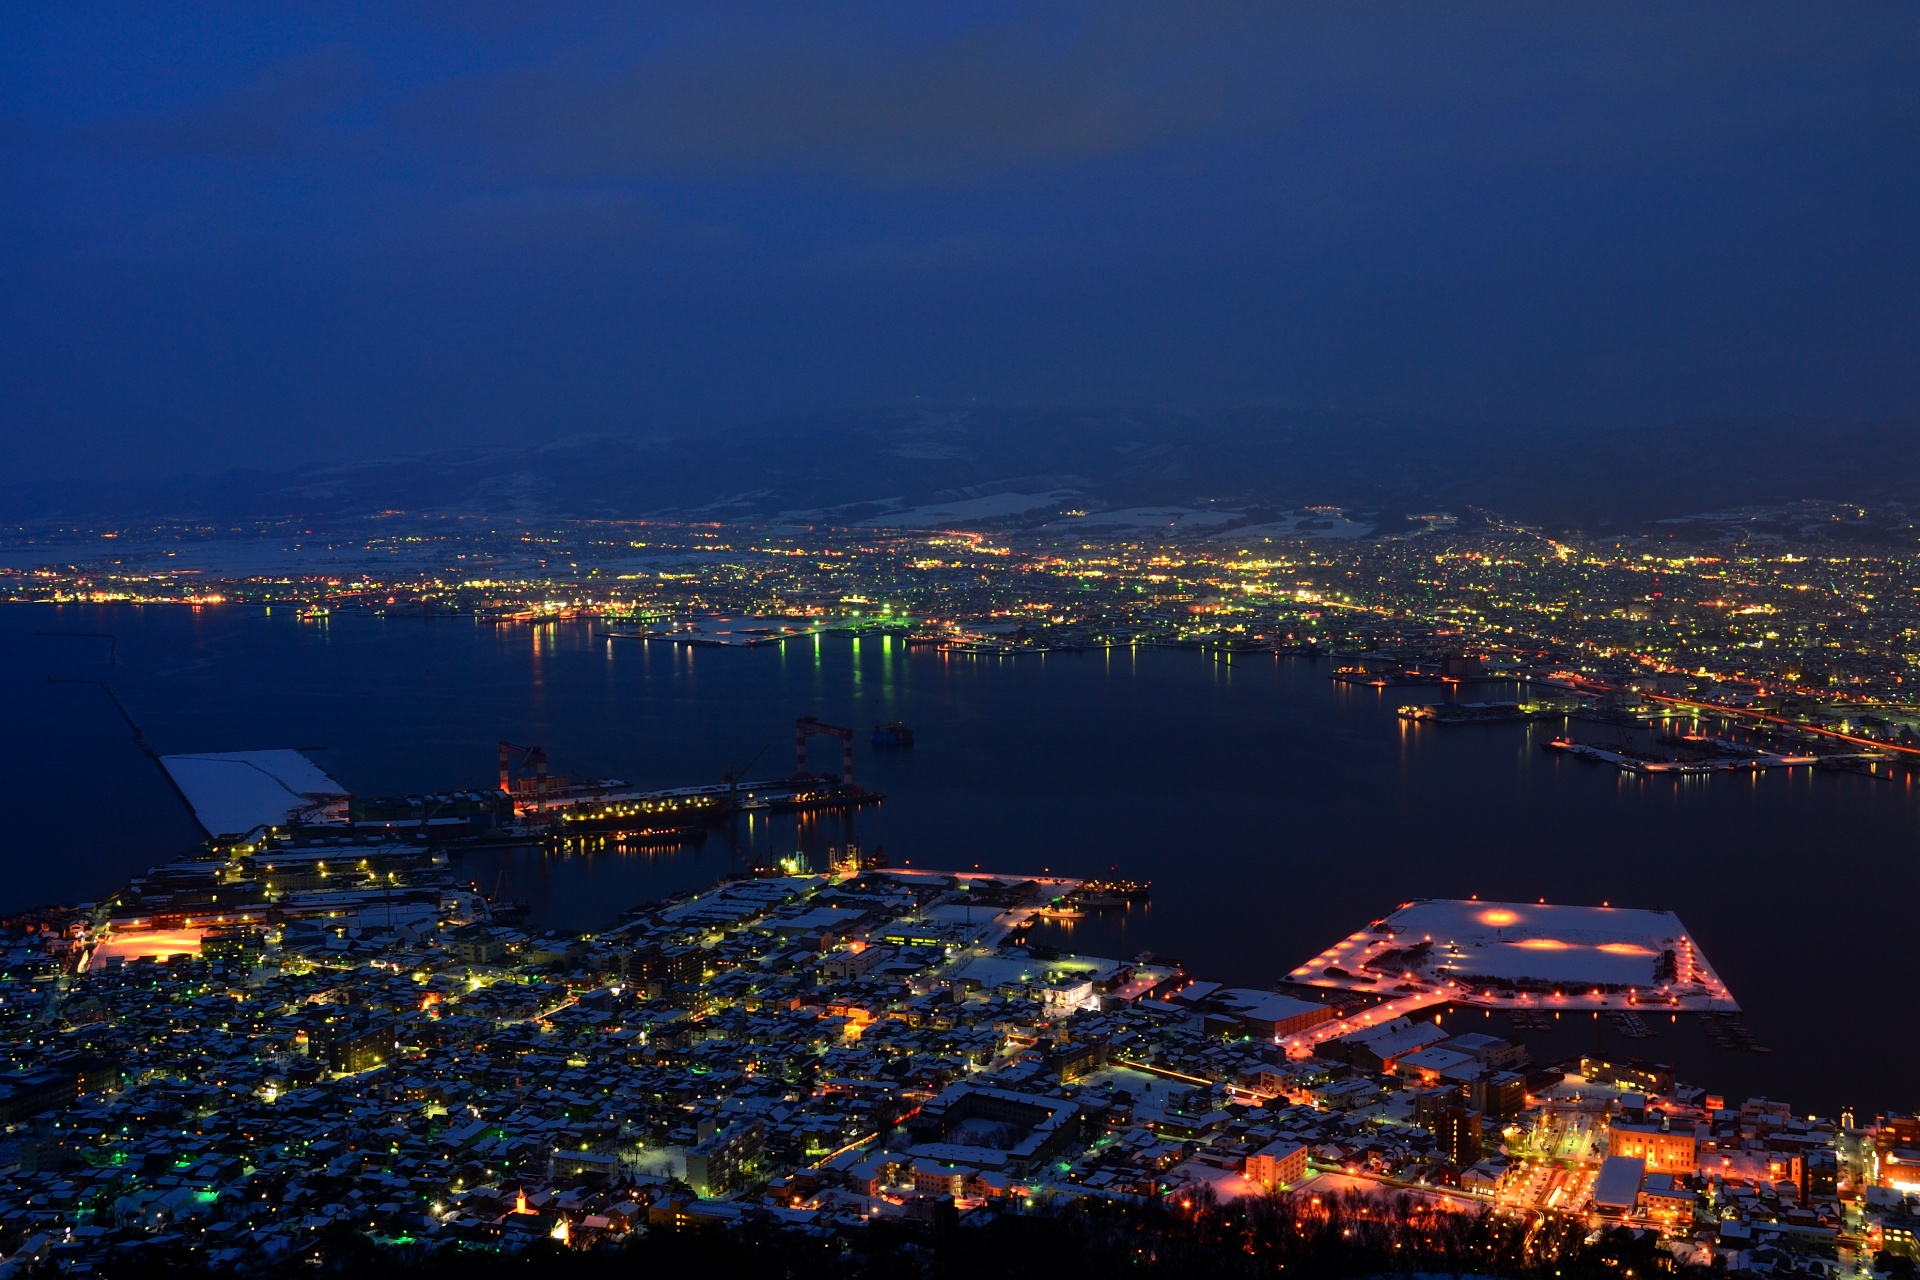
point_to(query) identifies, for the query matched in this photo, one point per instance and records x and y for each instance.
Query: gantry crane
(531, 759)
(811, 727)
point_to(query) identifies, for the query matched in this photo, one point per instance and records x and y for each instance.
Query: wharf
(1527, 956)
(992, 649)
(1409, 678)
(714, 642)
(1485, 712)
(1628, 761)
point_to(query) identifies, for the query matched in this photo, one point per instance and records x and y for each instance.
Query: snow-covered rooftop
(1518, 953)
(235, 792)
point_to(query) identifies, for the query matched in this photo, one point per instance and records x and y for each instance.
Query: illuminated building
(1896, 1143)
(1500, 1095)
(669, 966)
(1280, 1163)
(1380, 1048)
(1438, 1064)
(1457, 1131)
(349, 1046)
(1667, 1203)
(1268, 1016)
(933, 1178)
(1823, 1174)
(1665, 1151)
(717, 1164)
(1078, 1061)
(1899, 1233)
(1617, 1189)
(238, 944)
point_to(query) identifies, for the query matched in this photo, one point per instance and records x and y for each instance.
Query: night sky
(255, 232)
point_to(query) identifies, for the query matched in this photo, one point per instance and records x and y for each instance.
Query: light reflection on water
(1274, 810)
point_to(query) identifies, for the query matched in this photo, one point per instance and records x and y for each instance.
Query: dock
(1485, 712)
(1629, 761)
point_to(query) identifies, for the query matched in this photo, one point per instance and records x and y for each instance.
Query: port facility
(1632, 762)
(1511, 955)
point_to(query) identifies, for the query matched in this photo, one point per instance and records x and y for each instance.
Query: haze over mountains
(920, 464)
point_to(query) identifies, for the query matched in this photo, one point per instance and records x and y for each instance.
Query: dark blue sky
(257, 232)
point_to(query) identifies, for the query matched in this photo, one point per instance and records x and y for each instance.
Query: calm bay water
(1274, 810)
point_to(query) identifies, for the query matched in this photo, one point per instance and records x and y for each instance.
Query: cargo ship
(632, 825)
(820, 795)
(895, 734)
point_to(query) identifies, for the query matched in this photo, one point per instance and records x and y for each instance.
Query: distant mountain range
(993, 465)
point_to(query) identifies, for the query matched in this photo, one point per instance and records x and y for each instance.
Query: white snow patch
(236, 792)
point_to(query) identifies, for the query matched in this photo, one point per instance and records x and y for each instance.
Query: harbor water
(1274, 810)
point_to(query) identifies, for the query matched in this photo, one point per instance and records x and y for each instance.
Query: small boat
(894, 734)
(314, 613)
